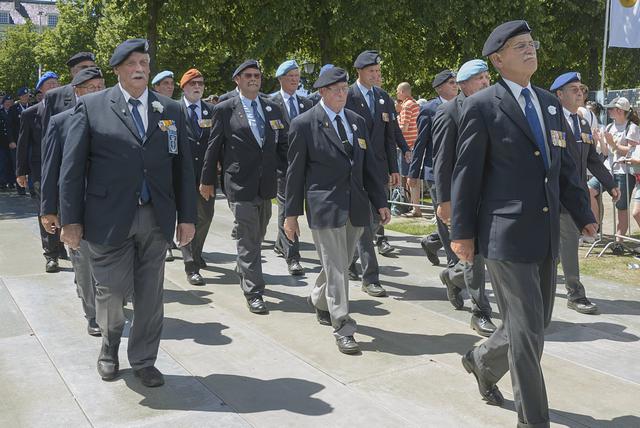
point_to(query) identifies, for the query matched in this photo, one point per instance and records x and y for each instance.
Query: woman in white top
(621, 136)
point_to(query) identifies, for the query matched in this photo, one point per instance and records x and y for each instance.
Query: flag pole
(604, 47)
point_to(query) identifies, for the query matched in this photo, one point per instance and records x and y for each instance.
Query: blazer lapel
(241, 117)
(277, 98)
(511, 108)
(206, 114)
(152, 115)
(361, 102)
(122, 111)
(328, 129)
(544, 108)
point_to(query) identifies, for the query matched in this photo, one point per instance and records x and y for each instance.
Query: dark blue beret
(125, 49)
(367, 58)
(7, 98)
(331, 76)
(85, 75)
(79, 57)
(250, 63)
(442, 77)
(23, 91)
(563, 79)
(502, 33)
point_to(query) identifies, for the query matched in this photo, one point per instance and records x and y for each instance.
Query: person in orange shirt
(407, 119)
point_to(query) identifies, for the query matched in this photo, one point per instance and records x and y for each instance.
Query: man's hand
(71, 235)
(22, 180)
(50, 222)
(207, 191)
(590, 229)
(615, 194)
(444, 212)
(408, 155)
(185, 233)
(464, 249)
(12, 145)
(385, 215)
(412, 182)
(291, 228)
(394, 179)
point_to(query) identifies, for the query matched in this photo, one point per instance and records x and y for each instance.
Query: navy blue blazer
(501, 193)
(105, 161)
(56, 101)
(421, 165)
(321, 176)
(249, 171)
(197, 142)
(304, 104)
(446, 124)
(28, 151)
(52, 149)
(379, 126)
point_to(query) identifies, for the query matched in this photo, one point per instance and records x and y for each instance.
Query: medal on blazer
(276, 124)
(586, 138)
(385, 116)
(362, 143)
(169, 126)
(558, 138)
(205, 123)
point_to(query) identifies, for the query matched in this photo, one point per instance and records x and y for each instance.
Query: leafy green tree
(18, 67)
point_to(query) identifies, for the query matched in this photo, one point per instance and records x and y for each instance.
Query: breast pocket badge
(587, 138)
(276, 124)
(362, 143)
(559, 138)
(205, 123)
(169, 126)
(385, 116)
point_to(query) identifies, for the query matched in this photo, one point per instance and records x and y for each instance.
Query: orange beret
(189, 75)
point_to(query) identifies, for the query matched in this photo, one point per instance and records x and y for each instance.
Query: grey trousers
(366, 251)
(569, 238)
(472, 277)
(525, 293)
(290, 249)
(85, 284)
(252, 218)
(443, 230)
(134, 267)
(331, 291)
(52, 247)
(192, 253)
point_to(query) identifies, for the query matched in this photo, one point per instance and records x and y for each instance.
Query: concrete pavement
(225, 367)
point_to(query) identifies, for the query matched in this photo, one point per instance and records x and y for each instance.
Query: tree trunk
(153, 11)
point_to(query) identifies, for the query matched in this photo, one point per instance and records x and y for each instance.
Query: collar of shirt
(332, 118)
(248, 110)
(516, 90)
(364, 91)
(142, 108)
(197, 104)
(567, 115)
(285, 99)
(247, 104)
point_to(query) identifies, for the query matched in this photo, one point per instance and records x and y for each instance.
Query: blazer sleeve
(401, 143)
(466, 180)
(23, 142)
(51, 158)
(597, 168)
(296, 169)
(214, 150)
(184, 178)
(74, 163)
(372, 179)
(445, 134)
(420, 146)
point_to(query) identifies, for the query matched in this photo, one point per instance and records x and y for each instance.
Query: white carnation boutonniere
(205, 112)
(381, 101)
(157, 106)
(355, 128)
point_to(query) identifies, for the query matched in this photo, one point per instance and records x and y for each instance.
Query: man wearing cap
(63, 98)
(248, 139)
(580, 143)
(472, 77)
(421, 166)
(334, 173)
(7, 178)
(314, 97)
(86, 81)
(291, 105)
(198, 115)
(163, 83)
(15, 112)
(378, 111)
(512, 172)
(126, 170)
(30, 164)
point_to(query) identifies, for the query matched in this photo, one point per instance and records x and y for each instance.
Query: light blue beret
(286, 67)
(325, 68)
(470, 69)
(160, 76)
(563, 79)
(46, 76)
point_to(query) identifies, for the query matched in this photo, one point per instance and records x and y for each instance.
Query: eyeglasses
(92, 88)
(523, 46)
(339, 90)
(195, 83)
(251, 75)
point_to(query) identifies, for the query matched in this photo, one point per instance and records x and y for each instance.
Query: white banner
(624, 24)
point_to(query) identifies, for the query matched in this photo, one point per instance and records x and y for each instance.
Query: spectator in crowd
(407, 119)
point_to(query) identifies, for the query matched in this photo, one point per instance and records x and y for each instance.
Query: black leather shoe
(489, 391)
(256, 305)
(195, 278)
(432, 254)
(93, 328)
(482, 325)
(374, 289)
(348, 345)
(323, 317)
(582, 305)
(453, 292)
(384, 248)
(108, 363)
(150, 376)
(169, 257)
(295, 268)
(353, 273)
(52, 266)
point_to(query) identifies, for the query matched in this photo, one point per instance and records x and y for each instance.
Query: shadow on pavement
(208, 333)
(604, 330)
(292, 303)
(187, 297)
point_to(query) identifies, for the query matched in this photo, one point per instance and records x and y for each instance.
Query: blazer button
(537, 153)
(196, 158)
(545, 209)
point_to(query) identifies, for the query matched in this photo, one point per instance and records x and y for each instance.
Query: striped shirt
(408, 116)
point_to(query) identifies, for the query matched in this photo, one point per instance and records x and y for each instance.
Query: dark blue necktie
(259, 119)
(145, 195)
(194, 120)
(576, 127)
(534, 124)
(372, 103)
(292, 108)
